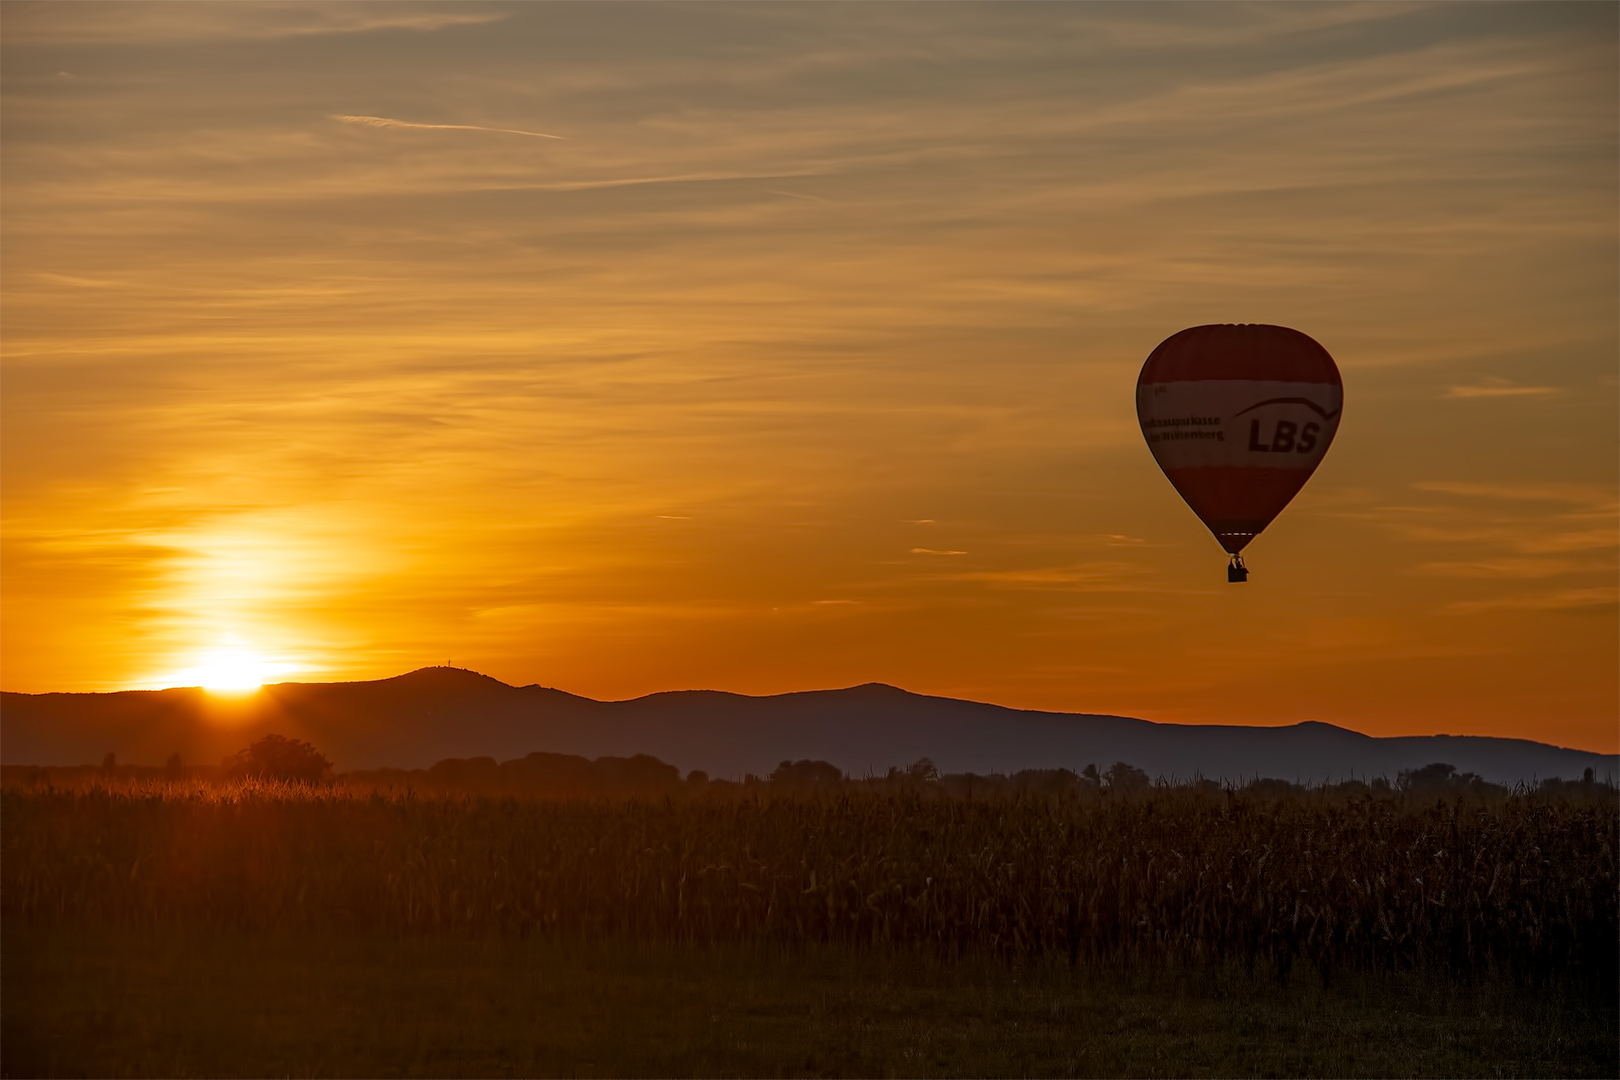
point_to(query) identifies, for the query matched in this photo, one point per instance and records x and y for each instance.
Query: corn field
(1524, 886)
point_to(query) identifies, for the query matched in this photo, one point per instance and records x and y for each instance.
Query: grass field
(257, 928)
(234, 1003)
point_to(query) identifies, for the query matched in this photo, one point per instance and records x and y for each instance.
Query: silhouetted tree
(174, 768)
(811, 775)
(1126, 779)
(110, 762)
(1434, 777)
(1442, 779)
(922, 771)
(639, 773)
(1588, 786)
(556, 774)
(277, 757)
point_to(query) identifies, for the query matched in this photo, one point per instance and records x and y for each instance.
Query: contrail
(383, 121)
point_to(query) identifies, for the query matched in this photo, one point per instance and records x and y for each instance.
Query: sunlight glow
(228, 667)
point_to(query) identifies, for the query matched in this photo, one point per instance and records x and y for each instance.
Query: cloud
(799, 195)
(385, 122)
(1031, 577)
(1505, 567)
(1592, 495)
(1528, 535)
(1562, 600)
(931, 551)
(1499, 388)
(1101, 577)
(136, 23)
(1601, 539)
(1511, 531)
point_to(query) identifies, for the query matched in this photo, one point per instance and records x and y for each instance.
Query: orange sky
(806, 356)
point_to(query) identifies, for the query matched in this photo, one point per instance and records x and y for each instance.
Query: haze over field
(764, 348)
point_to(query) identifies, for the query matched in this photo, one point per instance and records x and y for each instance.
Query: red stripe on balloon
(1240, 351)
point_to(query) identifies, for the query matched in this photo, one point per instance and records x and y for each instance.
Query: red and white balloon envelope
(1238, 417)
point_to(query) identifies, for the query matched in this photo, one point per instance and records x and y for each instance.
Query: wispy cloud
(1508, 532)
(1042, 577)
(1600, 539)
(1561, 600)
(1594, 496)
(1504, 567)
(386, 122)
(1098, 577)
(933, 551)
(135, 23)
(1500, 388)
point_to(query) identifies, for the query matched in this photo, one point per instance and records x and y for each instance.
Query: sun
(230, 667)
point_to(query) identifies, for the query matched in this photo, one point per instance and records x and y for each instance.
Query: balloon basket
(1236, 572)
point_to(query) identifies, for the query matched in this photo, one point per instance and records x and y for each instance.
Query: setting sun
(228, 667)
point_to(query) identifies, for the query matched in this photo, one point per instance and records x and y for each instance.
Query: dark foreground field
(177, 1003)
(260, 929)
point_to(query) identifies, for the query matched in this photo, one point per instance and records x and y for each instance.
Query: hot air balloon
(1238, 418)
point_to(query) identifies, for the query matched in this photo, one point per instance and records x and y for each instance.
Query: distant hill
(417, 719)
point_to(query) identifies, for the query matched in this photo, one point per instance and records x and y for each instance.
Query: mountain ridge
(419, 717)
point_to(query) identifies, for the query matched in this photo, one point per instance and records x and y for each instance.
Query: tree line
(278, 758)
